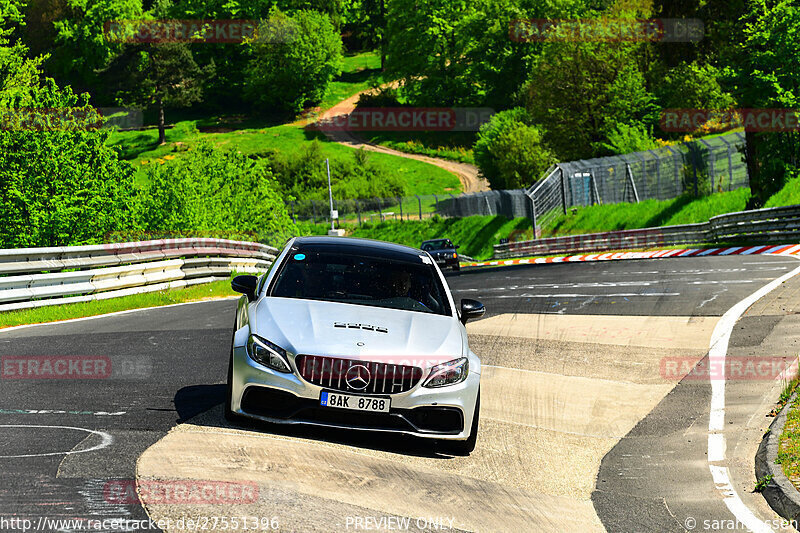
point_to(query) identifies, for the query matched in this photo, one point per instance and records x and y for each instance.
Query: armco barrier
(759, 225)
(36, 277)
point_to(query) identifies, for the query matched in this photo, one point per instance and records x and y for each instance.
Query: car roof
(436, 240)
(355, 246)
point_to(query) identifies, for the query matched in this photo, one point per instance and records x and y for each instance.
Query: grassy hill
(259, 136)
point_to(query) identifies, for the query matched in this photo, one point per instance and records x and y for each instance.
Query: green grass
(475, 234)
(53, 313)
(141, 148)
(253, 135)
(789, 442)
(455, 146)
(788, 195)
(649, 213)
(359, 73)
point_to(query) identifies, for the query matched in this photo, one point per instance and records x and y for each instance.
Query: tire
(464, 447)
(230, 416)
(457, 267)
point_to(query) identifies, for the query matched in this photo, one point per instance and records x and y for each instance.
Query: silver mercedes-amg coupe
(356, 334)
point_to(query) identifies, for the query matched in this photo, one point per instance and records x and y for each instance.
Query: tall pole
(330, 191)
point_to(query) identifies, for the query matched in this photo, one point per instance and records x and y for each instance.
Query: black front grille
(381, 378)
(273, 403)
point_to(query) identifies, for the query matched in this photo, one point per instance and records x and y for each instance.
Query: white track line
(717, 353)
(106, 441)
(115, 313)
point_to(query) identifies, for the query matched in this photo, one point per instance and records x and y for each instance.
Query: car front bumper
(447, 261)
(261, 393)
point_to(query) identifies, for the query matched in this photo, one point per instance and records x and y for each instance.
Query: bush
(625, 139)
(294, 59)
(304, 176)
(510, 151)
(61, 185)
(214, 191)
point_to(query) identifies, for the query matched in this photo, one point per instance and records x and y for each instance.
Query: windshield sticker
(299, 257)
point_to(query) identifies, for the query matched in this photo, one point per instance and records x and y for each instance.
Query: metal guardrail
(761, 225)
(36, 277)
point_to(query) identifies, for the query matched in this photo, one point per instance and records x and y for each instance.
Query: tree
(160, 75)
(293, 60)
(60, 184)
(580, 91)
(510, 151)
(426, 50)
(766, 74)
(81, 50)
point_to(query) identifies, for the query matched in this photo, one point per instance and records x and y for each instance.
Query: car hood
(310, 327)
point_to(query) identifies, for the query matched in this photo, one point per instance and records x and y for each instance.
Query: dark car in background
(444, 252)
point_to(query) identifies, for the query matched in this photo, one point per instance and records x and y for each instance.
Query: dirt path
(467, 174)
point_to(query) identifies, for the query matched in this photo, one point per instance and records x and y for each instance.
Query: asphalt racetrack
(589, 420)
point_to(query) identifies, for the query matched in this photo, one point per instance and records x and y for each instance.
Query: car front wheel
(230, 416)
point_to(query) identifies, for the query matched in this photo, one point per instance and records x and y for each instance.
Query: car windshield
(436, 245)
(355, 279)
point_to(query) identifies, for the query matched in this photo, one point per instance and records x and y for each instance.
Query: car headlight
(448, 373)
(455, 255)
(268, 354)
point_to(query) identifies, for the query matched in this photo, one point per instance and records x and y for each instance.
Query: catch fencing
(363, 210)
(36, 277)
(758, 226)
(700, 167)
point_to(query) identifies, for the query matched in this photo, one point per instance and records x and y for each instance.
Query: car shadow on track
(203, 405)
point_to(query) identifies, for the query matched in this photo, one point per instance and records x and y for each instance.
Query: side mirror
(456, 246)
(471, 309)
(246, 285)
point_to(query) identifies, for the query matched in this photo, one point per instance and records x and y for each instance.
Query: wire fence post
(400, 203)
(436, 204)
(711, 169)
(380, 211)
(358, 212)
(629, 172)
(594, 185)
(675, 154)
(563, 191)
(693, 159)
(419, 200)
(658, 172)
(533, 213)
(730, 161)
(313, 212)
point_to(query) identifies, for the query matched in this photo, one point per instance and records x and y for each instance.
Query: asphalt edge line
(782, 249)
(115, 313)
(717, 353)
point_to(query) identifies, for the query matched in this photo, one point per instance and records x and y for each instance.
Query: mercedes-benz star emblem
(357, 377)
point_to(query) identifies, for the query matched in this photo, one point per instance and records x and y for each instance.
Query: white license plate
(358, 403)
